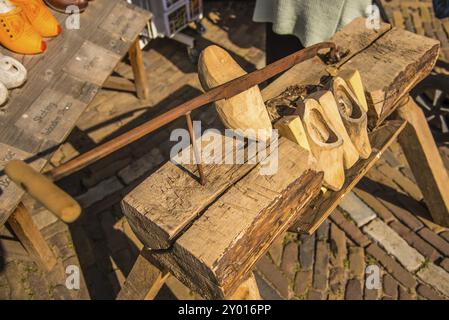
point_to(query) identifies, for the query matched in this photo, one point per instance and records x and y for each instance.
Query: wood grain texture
(63, 81)
(391, 67)
(31, 238)
(318, 211)
(171, 198)
(217, 252)
(425, 161)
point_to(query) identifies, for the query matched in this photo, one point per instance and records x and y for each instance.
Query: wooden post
(140, 77)
(31, 238)
(425, 161)
(144, 281)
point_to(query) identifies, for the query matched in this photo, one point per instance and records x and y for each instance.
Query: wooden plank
(171, 198)
(354, 37)
(391, 67)
(144, 281)
(119, 84)
(140, 76)
(218, 251)
(31, 238)
(319, 210)
(10, 194)
(42, 113)
(425, 161)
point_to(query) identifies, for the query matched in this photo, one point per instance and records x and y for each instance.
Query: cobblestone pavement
(383, 224)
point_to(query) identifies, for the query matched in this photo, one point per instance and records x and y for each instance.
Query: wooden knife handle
(43, 190)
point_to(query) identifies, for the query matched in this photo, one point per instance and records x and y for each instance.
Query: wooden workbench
(61, 83)
(210, 237)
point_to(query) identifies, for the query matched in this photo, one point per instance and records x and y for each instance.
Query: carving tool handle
(43, 190)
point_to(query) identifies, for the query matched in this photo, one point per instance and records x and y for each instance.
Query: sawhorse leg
(140, 77)
(145, 280)
(425, 161)
(31, 238)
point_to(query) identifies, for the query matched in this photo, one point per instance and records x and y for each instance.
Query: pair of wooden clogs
(12, 75)
(24, 24)
(331, 124)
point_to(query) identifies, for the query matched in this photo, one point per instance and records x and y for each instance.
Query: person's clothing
(280, 46)
(441, 8)
(312, 21)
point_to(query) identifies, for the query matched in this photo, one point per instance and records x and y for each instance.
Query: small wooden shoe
(12, 73)
(325, 143)
(17, 34)
(354, 117)
(330, 110)
(40, 17)
(245, 111)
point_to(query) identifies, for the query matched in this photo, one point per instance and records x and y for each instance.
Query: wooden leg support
(31, 238)
(144, 281)
(425, 161)
(140, 77)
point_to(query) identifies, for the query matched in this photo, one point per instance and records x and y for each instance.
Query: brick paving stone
(99, 192)
(321, 267)
(307, 251)
(349, 228)
(371, 294)
(357, 209)
(44, 218)
(435, 240)
(383, 212)
(415, 241)
(445, 264)
(289, 263)
(109, 170)
(314, 294)
(394, 268)
(273, 276)
(141, 166)
(390, 286)
(62, 245)
(5, 291)
(337, 245)
(303, 281)
(322, 234)
(404, 183)
(356, 263)
(428, 293)
(337, 281)
(390, 158)
(403, 215)
(276, 250)
(405, 294)
(394, 244)
(445, 235)
(266, 291)
(354, 290)
(436, 277)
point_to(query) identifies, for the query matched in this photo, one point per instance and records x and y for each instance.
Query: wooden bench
(210, 237)
(61, 84)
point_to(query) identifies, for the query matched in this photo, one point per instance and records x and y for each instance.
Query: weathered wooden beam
(318, 211)
(425, 161)
(219, 249)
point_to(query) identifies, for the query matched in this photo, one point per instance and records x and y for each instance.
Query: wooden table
(211, 237)
(61, 84)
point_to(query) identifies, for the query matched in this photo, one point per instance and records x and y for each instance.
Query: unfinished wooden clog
(245, 111)
(12, 73)
(354, 117)
(332, 115)
(325, 143)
